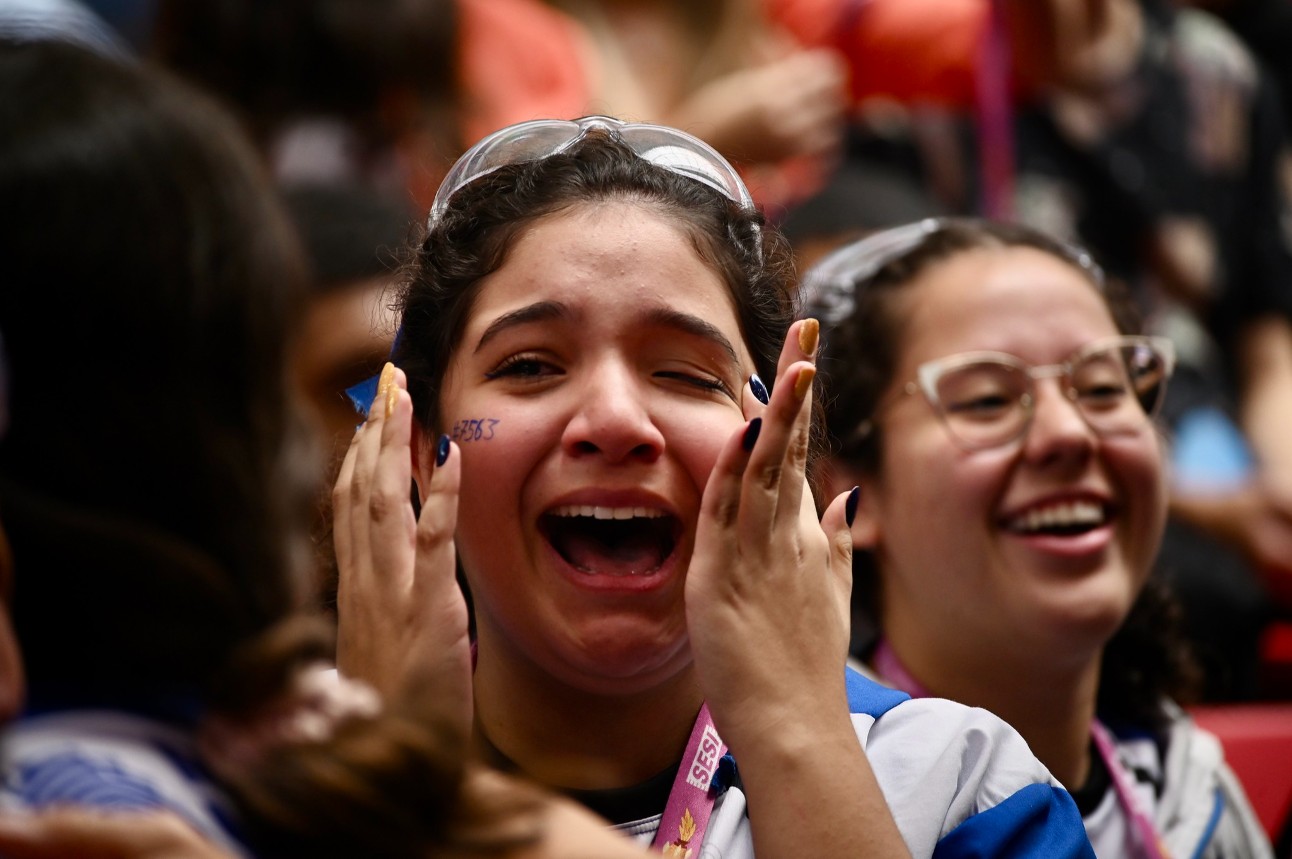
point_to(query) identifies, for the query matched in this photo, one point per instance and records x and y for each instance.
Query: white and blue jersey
(959, 781)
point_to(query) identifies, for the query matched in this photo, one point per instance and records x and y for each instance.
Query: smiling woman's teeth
(573, 510)
(1070, 515)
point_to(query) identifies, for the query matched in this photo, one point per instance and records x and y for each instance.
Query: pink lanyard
(1151, 847)
(1150, 843)
(691, 801)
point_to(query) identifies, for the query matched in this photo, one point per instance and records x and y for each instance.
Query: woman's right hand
(402, 618)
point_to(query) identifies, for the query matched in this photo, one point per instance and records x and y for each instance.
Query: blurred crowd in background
(1152, 132)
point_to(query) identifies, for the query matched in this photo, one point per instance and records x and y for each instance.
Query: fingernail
(442, 450)
(803, 383)
(384, 380)
(850, 506)
(751, 434)
(809, 336)
(392, 397)
(760, 390)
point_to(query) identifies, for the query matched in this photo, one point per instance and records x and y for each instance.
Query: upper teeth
(1070, 513)
(607, 512)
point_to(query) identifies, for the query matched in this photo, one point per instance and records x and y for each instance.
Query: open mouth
(612, 541)
(1064, 519)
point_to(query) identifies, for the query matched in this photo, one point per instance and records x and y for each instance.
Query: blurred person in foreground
(154, 482)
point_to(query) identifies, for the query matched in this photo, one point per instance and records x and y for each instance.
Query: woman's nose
(1058, 431)
(612, 418)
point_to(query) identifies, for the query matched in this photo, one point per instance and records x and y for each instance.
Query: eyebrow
(540, 311)
(693, 325)
(543, 311)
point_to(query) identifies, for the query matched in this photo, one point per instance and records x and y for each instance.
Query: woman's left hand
(767, 610)
(768, 588)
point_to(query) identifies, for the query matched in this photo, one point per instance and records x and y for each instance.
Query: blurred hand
(795, 105)
(94, 834)
(1256, 520)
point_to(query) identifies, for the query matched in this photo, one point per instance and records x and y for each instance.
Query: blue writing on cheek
(474, 429)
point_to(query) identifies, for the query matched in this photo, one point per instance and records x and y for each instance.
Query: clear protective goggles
(674, 150)
(829, 288)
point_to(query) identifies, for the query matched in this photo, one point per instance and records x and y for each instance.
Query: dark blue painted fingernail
(442, 450)
(850, 506)
(751, 433)
(760, 390)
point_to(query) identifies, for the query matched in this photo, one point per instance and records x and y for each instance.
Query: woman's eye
(708, 383)
(981, 407)
(522, 366)
(1105, 394)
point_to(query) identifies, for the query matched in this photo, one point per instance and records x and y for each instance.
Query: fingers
(774, 490)
(436, 560)
(836, 522)
(391, 524)
(722, 500)
(367, 449)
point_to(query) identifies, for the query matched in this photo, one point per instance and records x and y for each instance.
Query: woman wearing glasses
(990, 401)
(582, 337)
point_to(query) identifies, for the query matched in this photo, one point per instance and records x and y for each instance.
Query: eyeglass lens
(1115, 388)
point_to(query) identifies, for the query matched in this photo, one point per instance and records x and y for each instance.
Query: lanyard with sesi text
(892, 670)
(691, 801)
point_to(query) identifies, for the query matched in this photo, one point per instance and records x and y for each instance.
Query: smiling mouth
(1065, 519)
(612, 541)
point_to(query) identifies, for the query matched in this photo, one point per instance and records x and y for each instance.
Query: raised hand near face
(768, 589)
(402, 617)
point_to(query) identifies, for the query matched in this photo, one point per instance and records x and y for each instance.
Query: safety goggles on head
(666, 147)
(988, 399)
(829, 288)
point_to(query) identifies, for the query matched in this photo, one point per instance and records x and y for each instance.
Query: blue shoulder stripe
(72, 778)
(1217, 811)
(1039, 821)
(867, 696)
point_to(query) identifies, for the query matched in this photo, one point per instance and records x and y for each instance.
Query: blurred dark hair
(351, 232)
(153, 474)
(1147, 659)
(152, 478)
(279, 61)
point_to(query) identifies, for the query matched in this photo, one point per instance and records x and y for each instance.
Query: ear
(835, 477)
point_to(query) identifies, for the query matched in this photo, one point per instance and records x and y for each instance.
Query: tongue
(625, 556)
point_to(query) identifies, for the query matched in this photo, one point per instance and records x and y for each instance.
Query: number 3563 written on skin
(475, 429)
